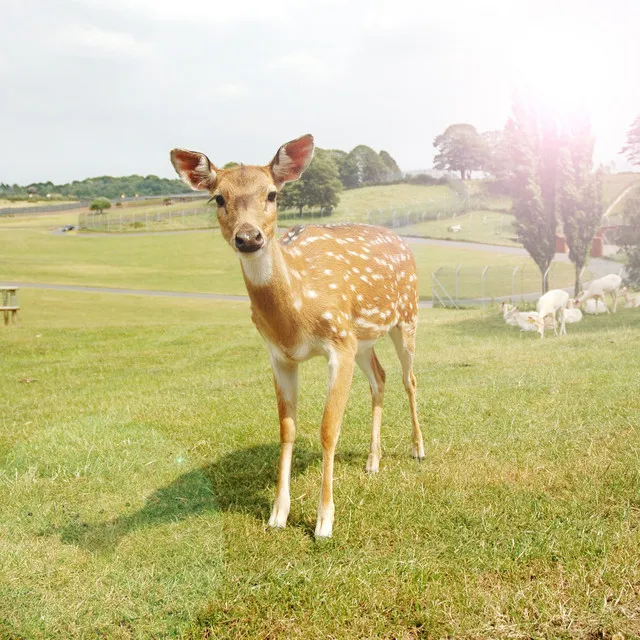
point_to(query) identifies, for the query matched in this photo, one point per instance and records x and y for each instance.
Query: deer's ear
(292, 159)
(194, 169)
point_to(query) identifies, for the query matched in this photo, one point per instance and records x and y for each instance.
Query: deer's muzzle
(249, 239)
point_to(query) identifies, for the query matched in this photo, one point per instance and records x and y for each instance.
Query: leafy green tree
(460, 148)
(530, 146)
(632, 148)
(370, 167)
(393, 170)
(319, 185)
(100, 204)
(579, 196)
(496, 161)
(347, 168)
(230, 165)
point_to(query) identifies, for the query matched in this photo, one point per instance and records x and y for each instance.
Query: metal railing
(460, 285)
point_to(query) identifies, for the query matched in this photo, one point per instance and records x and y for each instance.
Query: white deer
(599, 287)
(550, 304)
(322, 290)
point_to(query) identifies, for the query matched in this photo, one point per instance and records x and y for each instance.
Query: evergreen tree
(579, 196)
(632, 148)
(531, 150)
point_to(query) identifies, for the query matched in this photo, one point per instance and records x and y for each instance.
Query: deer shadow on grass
(237, 482)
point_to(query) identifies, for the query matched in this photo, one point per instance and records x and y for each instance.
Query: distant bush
(426, 179)
(100, 204)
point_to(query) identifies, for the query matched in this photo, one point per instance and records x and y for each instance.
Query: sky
(108, 87)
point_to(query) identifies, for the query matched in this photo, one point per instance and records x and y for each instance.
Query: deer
(328, 290)
(553, 303)
(597, 289)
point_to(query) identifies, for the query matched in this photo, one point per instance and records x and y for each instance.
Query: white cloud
(225, 92)
(196, 10)
(4, 63)
(95, 41)
(301, 62)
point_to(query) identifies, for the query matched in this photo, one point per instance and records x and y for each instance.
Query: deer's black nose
(249, 239)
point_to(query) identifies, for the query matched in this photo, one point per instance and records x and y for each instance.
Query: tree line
(90, 188)
(329, 173)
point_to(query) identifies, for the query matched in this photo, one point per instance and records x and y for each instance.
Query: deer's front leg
(285, 376)
(340, 375)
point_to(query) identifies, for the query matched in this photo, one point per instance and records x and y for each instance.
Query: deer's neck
(273, 295)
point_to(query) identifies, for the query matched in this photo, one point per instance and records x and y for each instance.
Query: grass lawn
(203, 262)
(138, 453)
(488, 227)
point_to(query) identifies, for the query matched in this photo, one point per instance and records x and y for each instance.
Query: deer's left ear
(292, 159)
(194, 169)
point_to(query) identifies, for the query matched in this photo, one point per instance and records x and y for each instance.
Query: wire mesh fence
(458, 212)
(132, 221)
(460, 285)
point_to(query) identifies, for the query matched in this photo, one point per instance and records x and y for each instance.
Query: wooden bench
(10, 306)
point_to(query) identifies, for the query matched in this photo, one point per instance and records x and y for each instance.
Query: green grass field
(138, 453)
(489, 227)
(203, 262)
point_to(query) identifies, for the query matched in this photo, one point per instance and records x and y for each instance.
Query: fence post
(484, 273)
(513, 283)
(457, 279)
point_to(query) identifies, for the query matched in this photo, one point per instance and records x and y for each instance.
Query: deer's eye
(271, 197)
(219, 200)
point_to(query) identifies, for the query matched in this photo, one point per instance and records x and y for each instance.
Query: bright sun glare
(561, 72)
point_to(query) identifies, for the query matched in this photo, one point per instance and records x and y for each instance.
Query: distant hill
(106, 186)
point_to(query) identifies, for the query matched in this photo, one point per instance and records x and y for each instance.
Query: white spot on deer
(333, 286)
(359, 297)
(328, 272)
(369, 312)
(297, 304)
(327, 315)
(310, 293)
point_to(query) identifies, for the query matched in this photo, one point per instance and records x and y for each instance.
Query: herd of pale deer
(556, 306)
(328, 290)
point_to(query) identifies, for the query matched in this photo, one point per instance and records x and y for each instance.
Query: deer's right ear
(194, 169)
(292, 159)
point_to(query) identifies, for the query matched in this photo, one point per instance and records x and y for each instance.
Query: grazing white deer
(550, 304)
(322, 290)
(599, 287)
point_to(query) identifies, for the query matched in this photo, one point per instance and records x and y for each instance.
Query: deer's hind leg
(404, 340)
(370, 365)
